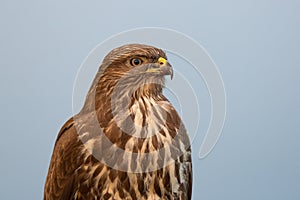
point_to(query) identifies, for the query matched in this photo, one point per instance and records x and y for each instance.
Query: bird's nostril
(161, 63)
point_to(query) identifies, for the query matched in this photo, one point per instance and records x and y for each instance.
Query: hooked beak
(163, 68)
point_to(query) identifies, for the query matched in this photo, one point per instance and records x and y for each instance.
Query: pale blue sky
(254, 43)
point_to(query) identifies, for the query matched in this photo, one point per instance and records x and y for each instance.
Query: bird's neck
(123, 99)
(135, 108)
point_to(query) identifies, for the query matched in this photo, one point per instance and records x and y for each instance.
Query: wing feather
(60, 179)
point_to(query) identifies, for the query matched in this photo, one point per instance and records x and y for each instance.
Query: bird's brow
(152, 57)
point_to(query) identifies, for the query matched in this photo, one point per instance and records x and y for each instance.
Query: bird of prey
(128, 141)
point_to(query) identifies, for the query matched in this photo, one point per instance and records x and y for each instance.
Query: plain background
(254, 43)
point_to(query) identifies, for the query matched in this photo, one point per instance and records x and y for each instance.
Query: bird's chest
(97, 180)
(139, 162)
(148, 117)
(144, 126)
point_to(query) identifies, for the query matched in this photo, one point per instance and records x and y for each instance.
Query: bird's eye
(135, 61)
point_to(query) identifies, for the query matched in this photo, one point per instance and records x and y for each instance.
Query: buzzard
(128, 141)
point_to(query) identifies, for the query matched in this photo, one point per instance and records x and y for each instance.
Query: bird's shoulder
(63, 163)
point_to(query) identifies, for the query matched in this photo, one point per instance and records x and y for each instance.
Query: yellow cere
(162, 61)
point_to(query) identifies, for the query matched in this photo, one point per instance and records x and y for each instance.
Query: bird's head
(136, 66)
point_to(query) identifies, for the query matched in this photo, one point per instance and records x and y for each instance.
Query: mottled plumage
(127, 142)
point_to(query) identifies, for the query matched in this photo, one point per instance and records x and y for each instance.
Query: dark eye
(135, 61)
